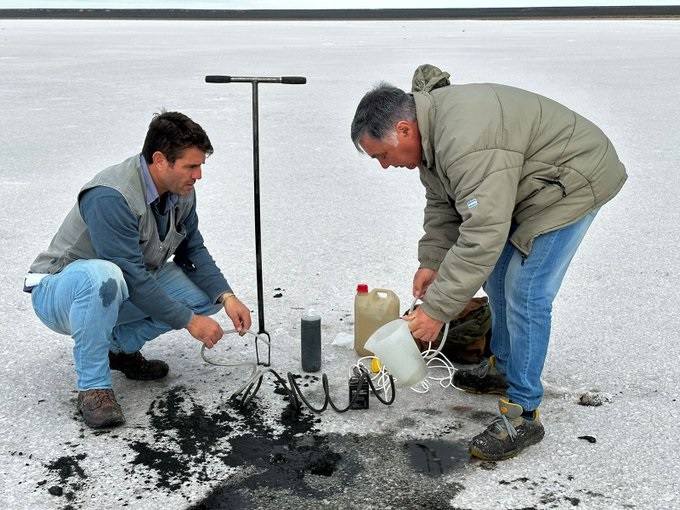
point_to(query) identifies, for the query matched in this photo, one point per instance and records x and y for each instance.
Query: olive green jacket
(494, 156)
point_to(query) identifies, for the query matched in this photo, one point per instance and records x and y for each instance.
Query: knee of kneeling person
(105, 277)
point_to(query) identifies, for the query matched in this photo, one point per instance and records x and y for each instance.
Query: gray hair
(379, 111)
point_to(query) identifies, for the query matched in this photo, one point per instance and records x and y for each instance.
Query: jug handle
(441, 344)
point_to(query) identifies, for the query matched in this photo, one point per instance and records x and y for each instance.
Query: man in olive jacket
(512, 182)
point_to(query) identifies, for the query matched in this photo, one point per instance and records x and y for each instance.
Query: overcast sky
(315, 4)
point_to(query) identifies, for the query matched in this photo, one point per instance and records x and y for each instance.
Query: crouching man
(107, 280)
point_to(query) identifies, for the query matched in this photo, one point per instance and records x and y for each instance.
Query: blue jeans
(89, 301)
(521, 291)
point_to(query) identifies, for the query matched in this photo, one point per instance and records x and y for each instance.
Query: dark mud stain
(66, 468)
(278, 457)
(429, 412)
(185, 436)
(331, 471)
(557, 492)
(434, 457)
(298, 467)
(264, 456)
(476, 415)
(406, 423)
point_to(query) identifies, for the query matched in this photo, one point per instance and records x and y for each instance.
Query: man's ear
(159, 159)
(405, 129)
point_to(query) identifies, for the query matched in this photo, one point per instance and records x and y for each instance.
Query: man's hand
(205, 329)
(422, 326)
(422, 280)
(238, 313)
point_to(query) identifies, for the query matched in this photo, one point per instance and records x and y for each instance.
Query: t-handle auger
(292, 80)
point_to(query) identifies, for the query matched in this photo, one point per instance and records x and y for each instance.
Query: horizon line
(634, 11)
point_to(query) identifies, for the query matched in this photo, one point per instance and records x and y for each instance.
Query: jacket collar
(425, 119)
(425, 79)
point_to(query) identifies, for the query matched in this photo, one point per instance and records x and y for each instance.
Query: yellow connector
(376, 366)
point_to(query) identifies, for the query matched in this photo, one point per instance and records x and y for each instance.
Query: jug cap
(362, 287)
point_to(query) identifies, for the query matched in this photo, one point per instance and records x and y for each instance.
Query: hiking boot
(509, 434)
(135, 366)
(484, 378)
(100, 409)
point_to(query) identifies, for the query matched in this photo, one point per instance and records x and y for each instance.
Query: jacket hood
(425, 79)
(428, 77)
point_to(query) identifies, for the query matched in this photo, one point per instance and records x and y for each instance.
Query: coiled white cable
(380, 377)
(253, 364)
(434, 359)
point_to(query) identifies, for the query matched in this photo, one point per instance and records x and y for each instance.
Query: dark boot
(135, 366)
(99, 408)
(484, 378)
(509, 434)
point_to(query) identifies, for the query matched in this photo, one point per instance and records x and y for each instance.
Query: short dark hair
(379, 111)
(171, 133)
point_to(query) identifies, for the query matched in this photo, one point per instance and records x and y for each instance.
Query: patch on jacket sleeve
(472, 203)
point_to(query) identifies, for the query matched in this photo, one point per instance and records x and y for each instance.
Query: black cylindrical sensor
(310, 342)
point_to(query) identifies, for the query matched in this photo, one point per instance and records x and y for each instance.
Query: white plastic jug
(393, 344)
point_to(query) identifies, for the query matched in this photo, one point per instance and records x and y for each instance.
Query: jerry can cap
(362, 287)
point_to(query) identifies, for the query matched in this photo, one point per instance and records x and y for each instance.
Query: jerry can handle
(386, 292)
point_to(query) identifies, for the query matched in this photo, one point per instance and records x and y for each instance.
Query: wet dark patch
(434, 458)
(405, 423)
(284, 458)
(298, 467)
(474, 413)
(429, 412)
(362, 470)
(483, 416)
(488, 465)
(108, 291)
(270, 455)
(521, 479)
(280, 461)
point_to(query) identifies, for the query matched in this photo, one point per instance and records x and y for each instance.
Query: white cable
(441, 344)
(380, 379)
(441, 362)
(254, 374)
(434, 359)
